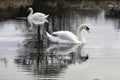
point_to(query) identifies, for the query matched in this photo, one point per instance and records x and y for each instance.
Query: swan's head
(30, 9)
(85, 27)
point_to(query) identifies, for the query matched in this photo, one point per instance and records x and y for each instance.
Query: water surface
(22, 59)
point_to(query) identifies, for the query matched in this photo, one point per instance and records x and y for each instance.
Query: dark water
(22, 59)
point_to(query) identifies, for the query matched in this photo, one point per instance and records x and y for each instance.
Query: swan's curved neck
(31, 24)
(79, 34)
(31, 12)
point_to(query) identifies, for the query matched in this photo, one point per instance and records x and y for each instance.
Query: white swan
(67, 36)
(36, 18)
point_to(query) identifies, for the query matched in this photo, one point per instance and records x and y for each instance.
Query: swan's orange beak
(87, 29)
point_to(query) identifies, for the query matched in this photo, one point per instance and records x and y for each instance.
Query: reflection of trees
(116, 22)
(48, 62)
(117, 25)
(37, 60)
(66, 19)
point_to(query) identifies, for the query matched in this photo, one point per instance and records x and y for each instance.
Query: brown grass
(87, 4)
(82, 4)
(14, 3)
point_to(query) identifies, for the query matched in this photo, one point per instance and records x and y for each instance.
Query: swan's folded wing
(38, 18)
(38, 14)
(65, 35)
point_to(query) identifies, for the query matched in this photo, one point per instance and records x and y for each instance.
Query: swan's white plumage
(36, 18)
(67, 36)
(63, 37)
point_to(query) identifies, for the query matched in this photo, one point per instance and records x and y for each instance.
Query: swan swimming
(67, 36)
(36, 18)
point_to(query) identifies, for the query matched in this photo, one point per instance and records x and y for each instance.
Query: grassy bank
(82, 4)
(14, 3)
(18, 8)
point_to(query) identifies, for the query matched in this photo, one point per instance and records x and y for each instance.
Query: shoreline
(19, 8)
(82, 4)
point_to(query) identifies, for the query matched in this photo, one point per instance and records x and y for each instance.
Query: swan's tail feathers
(46, 16)
(49, 36)
(52, 38)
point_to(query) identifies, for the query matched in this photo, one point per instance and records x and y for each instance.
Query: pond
(97, 59)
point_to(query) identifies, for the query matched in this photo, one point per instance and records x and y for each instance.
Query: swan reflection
(61, 48)
(52, 61)
(36, 18)
(67, 52)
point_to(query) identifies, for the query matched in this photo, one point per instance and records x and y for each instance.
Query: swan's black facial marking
(87, 28)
